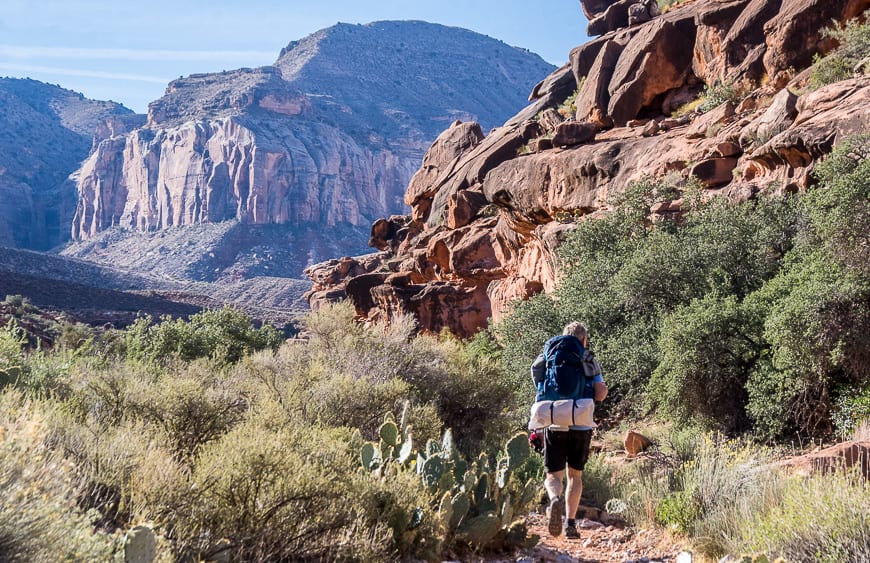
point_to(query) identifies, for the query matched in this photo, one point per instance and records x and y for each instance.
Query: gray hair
(575, 329)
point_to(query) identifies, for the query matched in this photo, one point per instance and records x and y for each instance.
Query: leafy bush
(568, 109)
(852, 408)
(224, 335)
(12, 342)
(718, 93)
(708, 348)
(259, 494)
(623, 275)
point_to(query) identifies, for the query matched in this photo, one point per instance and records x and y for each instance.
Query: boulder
(706, 122)
(549, 119)
(638, 13)
(656, 60)
(572, 133)
(635, 442)
(592, 8)
(776, 119)
(463, 207)
(501, 145)
(715, 172)
(593, 98)
(613, 18)
(841, 457)
(455, 141)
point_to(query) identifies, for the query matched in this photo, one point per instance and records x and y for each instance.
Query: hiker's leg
(553, 484)
(573, 492)
(579, 455)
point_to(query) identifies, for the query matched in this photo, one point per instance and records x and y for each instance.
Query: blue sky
(128, 51)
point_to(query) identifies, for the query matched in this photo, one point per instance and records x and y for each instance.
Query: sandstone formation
(328, 136)
(45, 132)
(488, 214)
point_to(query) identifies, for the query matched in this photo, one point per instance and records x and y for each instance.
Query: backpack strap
(552, 404)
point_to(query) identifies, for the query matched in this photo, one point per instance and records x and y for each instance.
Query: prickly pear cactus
(140, 545)
(389, 433)
(502, 474)
(370, 456)
(386, 450)
(506, 510)
(445, 510)
(432, 470)
(432, 448)
(461, 504)
(481, 489)
(517, 451)
(529, 493)
(406, 450)
(481, 529)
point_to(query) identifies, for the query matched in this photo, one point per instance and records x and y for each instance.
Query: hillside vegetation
(225, 440)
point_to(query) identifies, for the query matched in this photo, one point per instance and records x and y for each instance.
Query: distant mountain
(323, 142)
(45, 133)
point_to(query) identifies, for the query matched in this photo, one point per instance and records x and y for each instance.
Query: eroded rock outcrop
(526, 185)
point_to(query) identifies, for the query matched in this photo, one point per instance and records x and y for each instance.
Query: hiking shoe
(571, 532)
(555, 513)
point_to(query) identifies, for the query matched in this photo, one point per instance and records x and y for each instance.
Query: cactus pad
(406, 450)
(517, 450)
(389, 433)
(370, 456)
(461, 504)
(432, 470)
(481, 530)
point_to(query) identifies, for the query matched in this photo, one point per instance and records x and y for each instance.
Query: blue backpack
(570, 370)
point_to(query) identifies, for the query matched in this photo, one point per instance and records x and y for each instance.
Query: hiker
(566, 370)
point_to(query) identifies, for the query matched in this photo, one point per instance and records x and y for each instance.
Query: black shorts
(567, 446)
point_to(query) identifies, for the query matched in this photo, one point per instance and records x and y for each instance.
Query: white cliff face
(210, 171)
(329, 135)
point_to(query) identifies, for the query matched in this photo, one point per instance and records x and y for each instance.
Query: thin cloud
(83, 73)
(83, 53)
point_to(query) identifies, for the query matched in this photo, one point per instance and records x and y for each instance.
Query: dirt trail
(598, 543)
(601, 544)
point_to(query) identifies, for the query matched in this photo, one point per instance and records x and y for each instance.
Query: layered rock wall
(216, 170)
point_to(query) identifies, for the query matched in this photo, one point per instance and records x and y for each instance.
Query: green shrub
(224, 335)
(816, 320)
(568, 109)
(854, 48)
(718, 93)
(12, 342)
(852, 408)
(259, 494)
(708, 348)
(678, 511)
(840, 207)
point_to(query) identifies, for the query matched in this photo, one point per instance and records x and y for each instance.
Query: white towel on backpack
(564, 413)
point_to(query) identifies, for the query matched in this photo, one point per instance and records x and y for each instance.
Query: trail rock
(635, 443)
